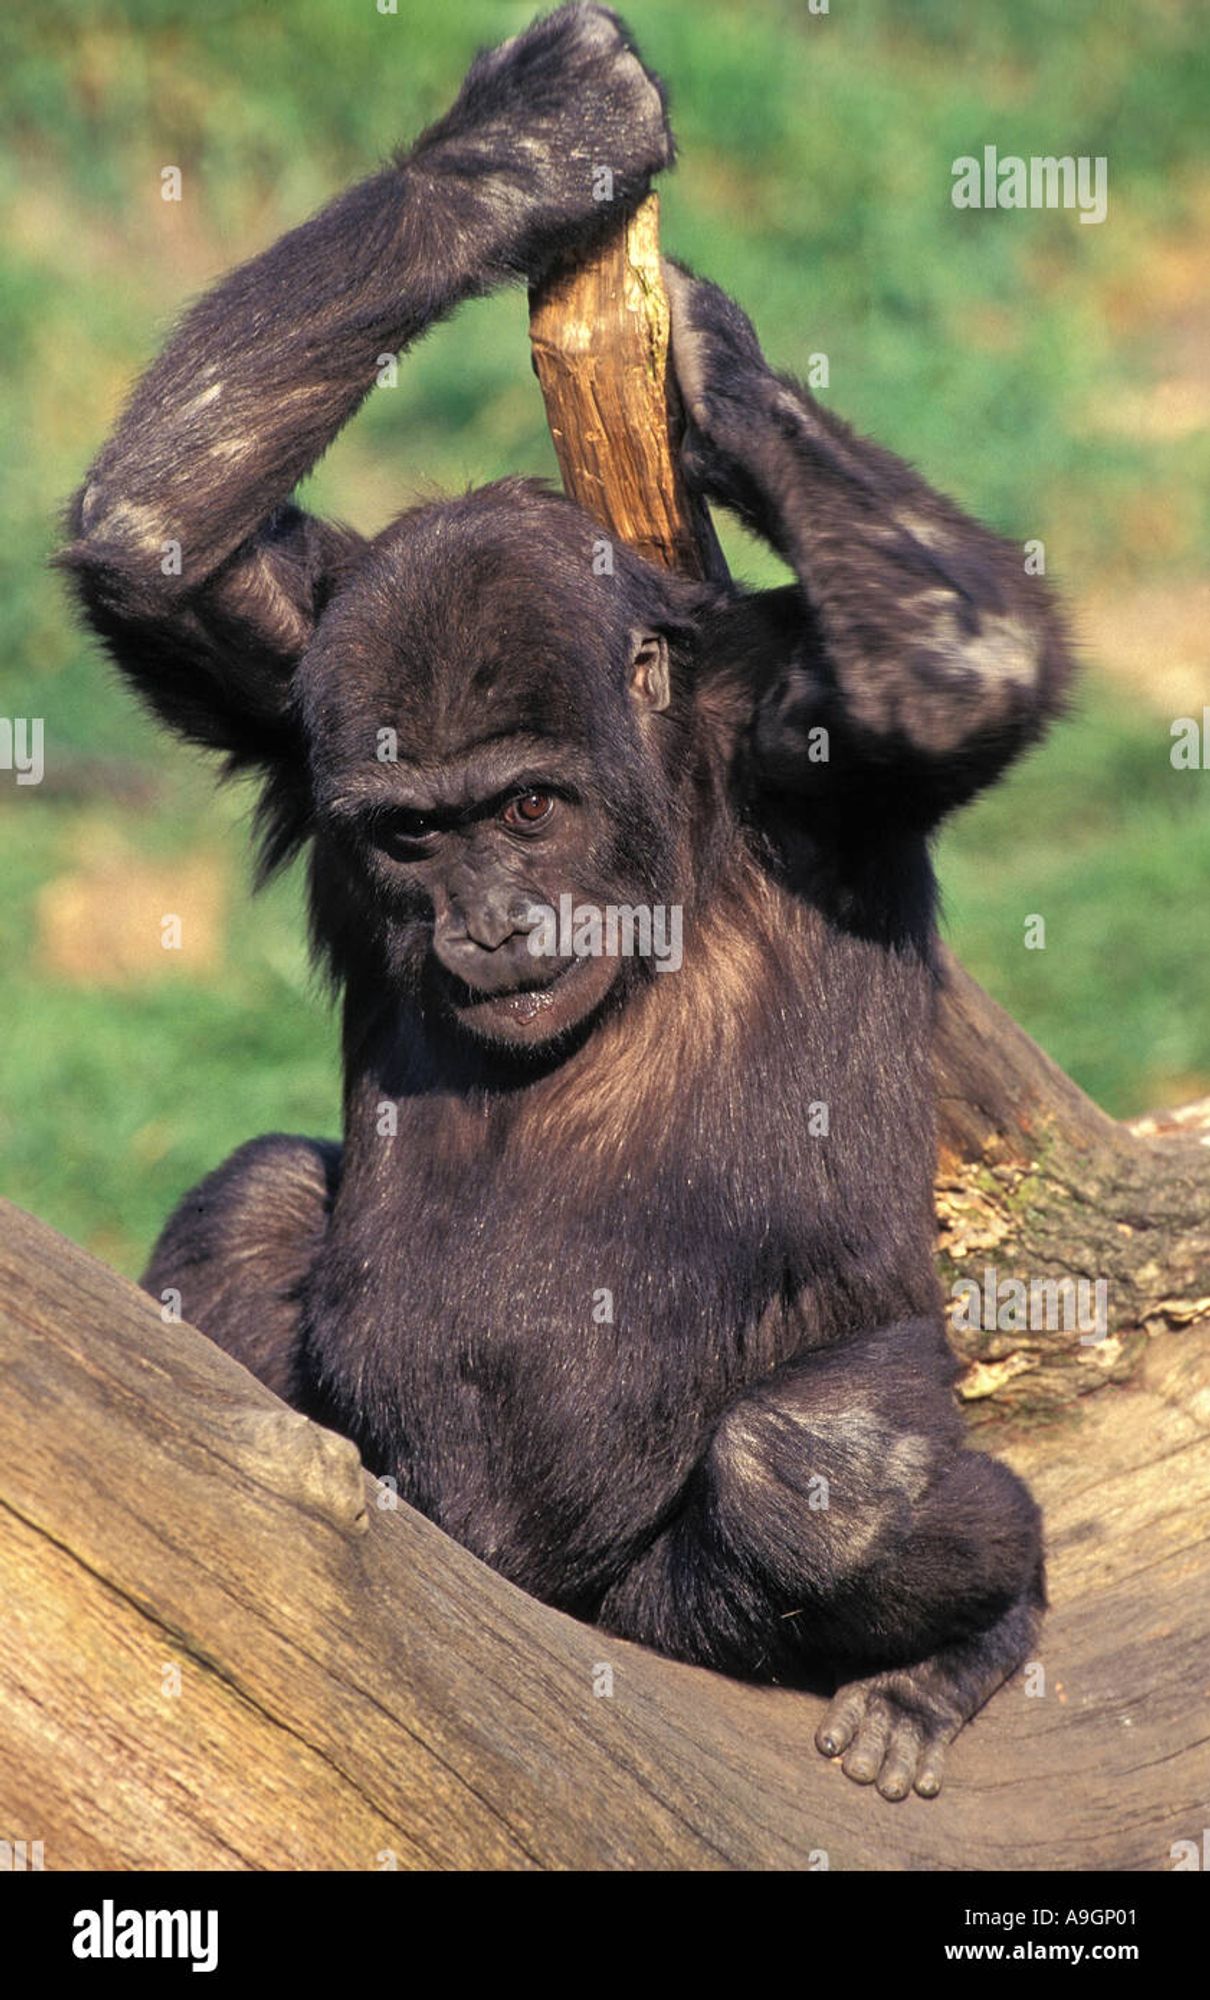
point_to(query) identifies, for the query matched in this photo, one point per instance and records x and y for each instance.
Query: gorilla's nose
(488, 951)
(488, 929)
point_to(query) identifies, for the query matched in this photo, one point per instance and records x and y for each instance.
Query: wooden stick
(600, 334)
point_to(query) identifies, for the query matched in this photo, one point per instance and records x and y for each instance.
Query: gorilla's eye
(528, 809)
(405, 833)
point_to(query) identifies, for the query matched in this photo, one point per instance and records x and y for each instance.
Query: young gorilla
(751, 1456)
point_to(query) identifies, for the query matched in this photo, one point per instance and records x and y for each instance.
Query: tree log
(1035, 1184)
(223, 1652)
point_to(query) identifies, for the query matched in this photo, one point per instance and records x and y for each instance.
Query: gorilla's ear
(650, 673)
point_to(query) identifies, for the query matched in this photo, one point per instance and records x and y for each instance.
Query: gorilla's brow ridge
(461, 778)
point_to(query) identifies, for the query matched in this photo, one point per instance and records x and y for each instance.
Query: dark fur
(776, 1311)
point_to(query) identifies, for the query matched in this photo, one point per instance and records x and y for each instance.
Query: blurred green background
(1053, 376)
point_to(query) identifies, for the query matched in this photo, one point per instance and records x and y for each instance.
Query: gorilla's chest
(540, 1324)
(566, 1287)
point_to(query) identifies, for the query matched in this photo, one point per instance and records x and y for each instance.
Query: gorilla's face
(495, 839)
(489, 752)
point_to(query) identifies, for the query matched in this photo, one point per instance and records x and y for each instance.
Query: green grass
(1099, 836)
(992, 350)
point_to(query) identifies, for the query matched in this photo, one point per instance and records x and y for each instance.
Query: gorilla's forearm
(270, 365)
(947, 657)
(186, 557)
(929, 651)
(265, 371)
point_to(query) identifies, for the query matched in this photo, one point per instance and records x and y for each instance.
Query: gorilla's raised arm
(188, 558)
(922, 646)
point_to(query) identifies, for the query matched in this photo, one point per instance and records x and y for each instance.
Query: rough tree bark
(1035, 1182)
(221, 1652)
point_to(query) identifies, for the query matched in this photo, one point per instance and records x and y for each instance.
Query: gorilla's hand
(725, 383)
(556, 126)
(715, 350)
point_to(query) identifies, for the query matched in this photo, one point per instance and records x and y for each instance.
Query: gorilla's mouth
(531, 1012)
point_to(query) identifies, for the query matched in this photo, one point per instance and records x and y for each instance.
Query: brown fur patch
(624, 1084)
